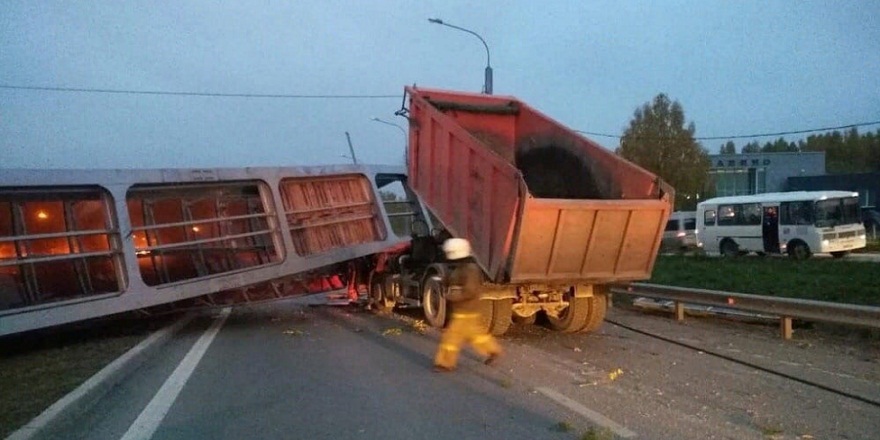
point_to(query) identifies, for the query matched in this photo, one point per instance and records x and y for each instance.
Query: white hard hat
(457, 248)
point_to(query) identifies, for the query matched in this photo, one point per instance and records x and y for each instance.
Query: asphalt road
(287, 371)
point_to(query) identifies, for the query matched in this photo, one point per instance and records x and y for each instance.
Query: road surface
(288, 371)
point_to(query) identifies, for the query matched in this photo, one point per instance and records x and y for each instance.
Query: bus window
(709, 217)
(751, 214)
(851, 211)
(726, 215)
(828, 213)
(796, 213)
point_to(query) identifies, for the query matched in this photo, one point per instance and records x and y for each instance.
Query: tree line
(845, 152)
(660, 140)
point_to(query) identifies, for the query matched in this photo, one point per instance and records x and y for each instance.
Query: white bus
(797, 223)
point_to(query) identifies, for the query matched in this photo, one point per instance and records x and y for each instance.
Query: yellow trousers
(464, 328)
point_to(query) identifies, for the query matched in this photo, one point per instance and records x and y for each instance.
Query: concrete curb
(97, 385)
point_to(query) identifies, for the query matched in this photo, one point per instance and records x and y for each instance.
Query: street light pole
(487, 85)
(403, 132)
(391, 124)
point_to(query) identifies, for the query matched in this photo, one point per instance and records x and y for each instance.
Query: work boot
(492, 359)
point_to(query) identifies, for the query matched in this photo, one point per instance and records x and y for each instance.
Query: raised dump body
(539, 203)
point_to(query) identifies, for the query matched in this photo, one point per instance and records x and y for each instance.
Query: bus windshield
(834, 212)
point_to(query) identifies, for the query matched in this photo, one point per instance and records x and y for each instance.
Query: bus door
(770, 229)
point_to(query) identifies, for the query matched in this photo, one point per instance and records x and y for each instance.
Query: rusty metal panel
(580, 240)
(330, 212)
(462, 183)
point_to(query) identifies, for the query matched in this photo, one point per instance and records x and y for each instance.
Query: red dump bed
(539, 203)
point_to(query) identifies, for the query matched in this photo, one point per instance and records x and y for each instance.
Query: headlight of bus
(863, 237)
(825, 242)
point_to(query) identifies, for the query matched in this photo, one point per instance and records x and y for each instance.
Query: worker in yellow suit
(463, 295)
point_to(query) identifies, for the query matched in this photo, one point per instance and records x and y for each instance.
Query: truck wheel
(502, 313)
(598, 304)
(524, 320)
(379, 298)
(574, 317)
(495, 315)
(434, 301)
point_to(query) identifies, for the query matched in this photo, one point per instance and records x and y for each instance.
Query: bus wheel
(729, 248)
(839, 254)
(799, 250)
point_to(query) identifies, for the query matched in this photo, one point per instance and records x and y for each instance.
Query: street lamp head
(435, 20)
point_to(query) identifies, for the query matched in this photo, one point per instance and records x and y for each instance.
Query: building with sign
(755, 173)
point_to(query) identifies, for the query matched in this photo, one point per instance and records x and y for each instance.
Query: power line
(745, 136)
(330, 96)
(221, 95)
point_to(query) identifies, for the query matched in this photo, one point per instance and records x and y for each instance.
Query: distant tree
(779, 146)
(848, 152)
(728, 148)
(387, 196)
(658, 140)
(751, 147)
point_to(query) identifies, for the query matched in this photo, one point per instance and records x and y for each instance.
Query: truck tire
(495, 316)
(525, 320)
(502, 316)
(434, 301)
(379, 298)
(598, 305)
(574, 317)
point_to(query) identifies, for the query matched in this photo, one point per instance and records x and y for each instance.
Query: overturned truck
(553, 218)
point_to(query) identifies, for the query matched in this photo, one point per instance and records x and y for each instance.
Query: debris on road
(394, 331)
(615, 374)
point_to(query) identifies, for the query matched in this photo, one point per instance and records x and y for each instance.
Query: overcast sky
(737, 67)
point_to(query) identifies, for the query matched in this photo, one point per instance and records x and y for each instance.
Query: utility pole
(351, 148)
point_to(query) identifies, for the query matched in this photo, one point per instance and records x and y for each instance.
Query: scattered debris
(420, 326)
(394, 331)
(562, 427)
(615, 374)
(602, 434)
(577, 350)
(294, 332)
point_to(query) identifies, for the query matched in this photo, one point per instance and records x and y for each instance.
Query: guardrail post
(785, 327)
(679, 311)
(609, 303)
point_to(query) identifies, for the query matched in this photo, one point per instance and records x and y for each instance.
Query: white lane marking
(112, 373)
(599, 419)
(148, 421)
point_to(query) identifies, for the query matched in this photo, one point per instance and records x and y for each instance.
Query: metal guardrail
(784, 308)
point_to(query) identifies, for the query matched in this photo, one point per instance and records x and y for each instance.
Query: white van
(681, 232)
